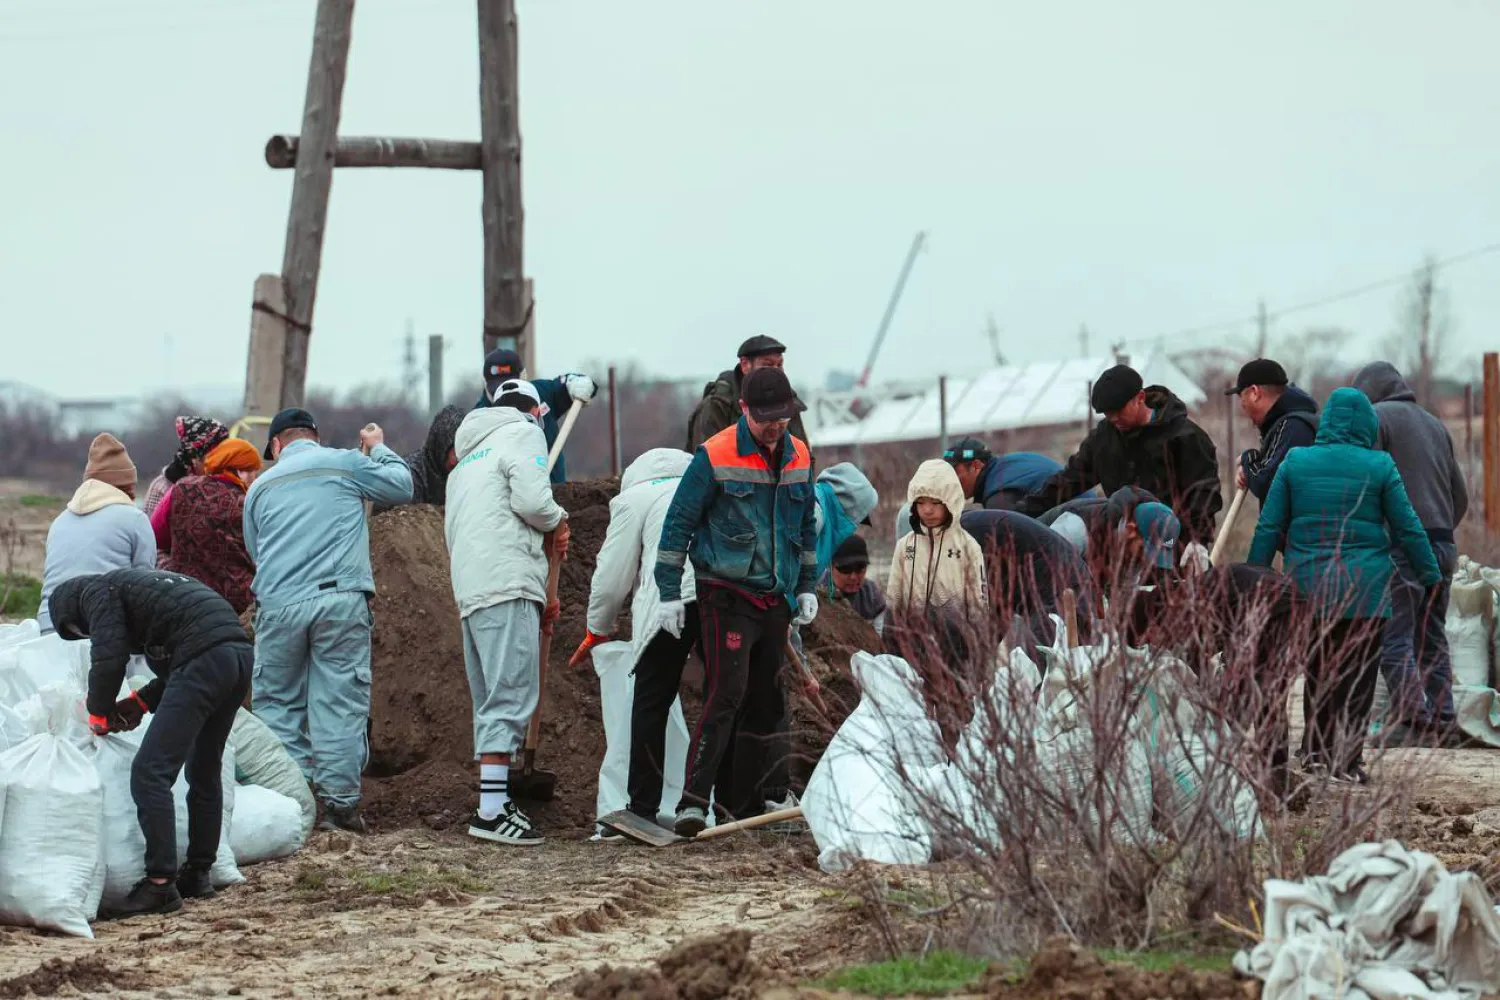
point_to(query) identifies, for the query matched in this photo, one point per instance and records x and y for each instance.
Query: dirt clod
(701, 969)
(60, 976)
(1064, 971)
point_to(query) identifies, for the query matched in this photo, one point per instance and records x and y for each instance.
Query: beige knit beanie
(110, 463)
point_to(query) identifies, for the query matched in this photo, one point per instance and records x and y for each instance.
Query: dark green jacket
(1333, 511)
(720, 408)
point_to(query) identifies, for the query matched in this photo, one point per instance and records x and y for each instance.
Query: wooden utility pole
(1492, 443)
(373, 151)
(311, 185)
(1426, 286)
(1263, 329)
(434, 374)
(507, 307)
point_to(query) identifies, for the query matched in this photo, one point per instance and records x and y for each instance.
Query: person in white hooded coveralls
(627, 560)
(500, 524)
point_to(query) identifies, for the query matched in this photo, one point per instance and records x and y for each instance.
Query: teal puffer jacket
(1333, 511)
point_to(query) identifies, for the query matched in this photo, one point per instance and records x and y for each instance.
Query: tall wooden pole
(614, 424)
(434, 373)
(311, 185)
(942, 413)
(1469, 437)
(505, 301)
(1492, 443)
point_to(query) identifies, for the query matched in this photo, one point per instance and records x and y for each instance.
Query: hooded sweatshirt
(845, 498)
(1334, 509)
(1292, 422)
(627, 558)
(937, 568)
(1422, 448)
(429, 464)
(499, 506)
(100, 530)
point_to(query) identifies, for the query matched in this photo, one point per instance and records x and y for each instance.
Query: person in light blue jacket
(306, 530)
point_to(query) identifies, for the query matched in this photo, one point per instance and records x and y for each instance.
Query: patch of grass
(37, 500)
(1153, 960)
(311, 880)
(19, 595)
(935, 974)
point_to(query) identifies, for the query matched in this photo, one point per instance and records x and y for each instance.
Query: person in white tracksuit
(628, 559)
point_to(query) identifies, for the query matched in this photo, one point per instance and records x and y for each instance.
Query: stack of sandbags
(264, 769)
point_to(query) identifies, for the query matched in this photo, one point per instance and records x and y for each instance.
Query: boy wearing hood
(1334, 511)
(194, 643)
(502, 525)
(1285, 416)
(939, 565)
(101, 529)
(1414, 652)
(1145, 440)
(627, 560)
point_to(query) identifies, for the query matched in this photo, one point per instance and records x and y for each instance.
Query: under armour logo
(952, 553)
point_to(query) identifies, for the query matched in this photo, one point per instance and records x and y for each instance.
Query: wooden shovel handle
(1223, 540)
(764, 819)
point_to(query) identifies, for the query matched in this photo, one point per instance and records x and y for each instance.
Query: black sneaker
(346, 818)
(195, 883)
(512, 826)
(146, 897)
(691, 821)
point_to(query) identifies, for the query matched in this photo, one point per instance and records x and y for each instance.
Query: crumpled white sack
(261, 759)
(267, 825)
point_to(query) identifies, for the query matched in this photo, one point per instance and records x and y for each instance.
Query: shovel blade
(639, 829)
(534, 786)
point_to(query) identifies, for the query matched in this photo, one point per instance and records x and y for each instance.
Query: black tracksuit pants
(1340, 689)
(189, 727)
(743, 644)
(658, 678)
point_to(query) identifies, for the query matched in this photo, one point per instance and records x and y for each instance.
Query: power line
(1326, 300)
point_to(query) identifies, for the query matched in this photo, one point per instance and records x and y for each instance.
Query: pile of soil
(702, 969)
(421, 745)
(1064, 971)
(72, 977)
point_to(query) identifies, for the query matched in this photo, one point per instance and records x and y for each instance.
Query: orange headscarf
(231, 456)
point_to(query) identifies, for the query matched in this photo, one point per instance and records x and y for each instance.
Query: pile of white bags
(69, 836)
(1471, 624)
(261, 762)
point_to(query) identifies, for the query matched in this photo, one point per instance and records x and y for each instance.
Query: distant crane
(917, 243)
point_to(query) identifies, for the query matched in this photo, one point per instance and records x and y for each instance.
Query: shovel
(1223, 540)
(530, 783)
(643, 831)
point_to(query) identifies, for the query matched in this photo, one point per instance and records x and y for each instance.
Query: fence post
(942, 413)
(434, 374)
(1469, 437)
(614, 426)
(1492, 442)
(1232, 459)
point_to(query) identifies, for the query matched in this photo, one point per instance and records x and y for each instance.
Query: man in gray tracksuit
(305, 527)
(1414, 655)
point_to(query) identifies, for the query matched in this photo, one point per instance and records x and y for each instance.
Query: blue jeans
(311, 687)
(1414, 648)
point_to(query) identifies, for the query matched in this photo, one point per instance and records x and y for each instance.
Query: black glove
(128, 713)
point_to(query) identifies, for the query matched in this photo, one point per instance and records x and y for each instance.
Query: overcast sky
(696, 172)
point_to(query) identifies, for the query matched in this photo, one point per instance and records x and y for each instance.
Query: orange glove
(590, 640)
(556, 541)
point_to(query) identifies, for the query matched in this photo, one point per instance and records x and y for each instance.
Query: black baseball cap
(499, 365)
(851, 554)
(768, 393)
(1115, 388)
(761, 345)
(286, 420)
(1261, 371)
(967, 450)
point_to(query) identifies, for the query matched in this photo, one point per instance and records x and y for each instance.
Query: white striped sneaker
(510, 827)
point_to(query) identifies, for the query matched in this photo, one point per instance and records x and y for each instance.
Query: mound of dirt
(702, 969)
(421, 743)
(1064, 971)
(73, 977)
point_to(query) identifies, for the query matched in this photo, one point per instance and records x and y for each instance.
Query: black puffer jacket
(1028, 566)
(429, 466)
(1171, 457)
(168, 617)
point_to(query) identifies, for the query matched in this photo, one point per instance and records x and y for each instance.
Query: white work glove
(807, 609)
(671, 617)
(1194, 558)
(580, 387)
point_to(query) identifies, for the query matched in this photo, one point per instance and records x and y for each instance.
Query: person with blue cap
(998, 482)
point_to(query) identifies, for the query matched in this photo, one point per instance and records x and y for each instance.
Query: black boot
(194, 883)
(342, 818)
(146, 897)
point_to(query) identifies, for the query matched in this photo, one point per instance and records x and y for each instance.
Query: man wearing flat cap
(1145, 440)
(720, 406)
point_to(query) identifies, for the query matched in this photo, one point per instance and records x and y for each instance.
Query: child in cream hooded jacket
(937, 567)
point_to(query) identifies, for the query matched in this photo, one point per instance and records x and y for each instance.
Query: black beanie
(853, 553)
(1115, 388)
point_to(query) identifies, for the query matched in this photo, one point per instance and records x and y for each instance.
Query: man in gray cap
(720, 406)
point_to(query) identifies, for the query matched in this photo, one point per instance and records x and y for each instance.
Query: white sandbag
(614, 663)
(124, 849)
(1469, 641)
(14, 635)
(1186, 781)
(261, 759)
(267, 825)
(891, 719)
(1069, 764)
(50, 840)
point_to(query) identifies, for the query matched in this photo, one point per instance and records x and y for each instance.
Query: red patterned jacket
(207, 527)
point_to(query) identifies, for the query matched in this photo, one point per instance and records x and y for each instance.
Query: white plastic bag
(124, 850)
(261, 759)
(613, 663)
(1469, 643)
(50, 840)
(267, 825)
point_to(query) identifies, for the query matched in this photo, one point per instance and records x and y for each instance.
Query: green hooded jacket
(1334, 509)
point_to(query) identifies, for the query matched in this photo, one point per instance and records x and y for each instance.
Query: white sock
(494, 789)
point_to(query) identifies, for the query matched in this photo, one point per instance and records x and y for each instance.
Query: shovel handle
(1217, 554)
(764, 819)
(1070, 616)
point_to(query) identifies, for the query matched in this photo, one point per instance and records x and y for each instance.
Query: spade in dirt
(644, 831)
